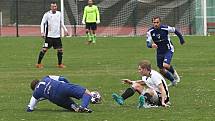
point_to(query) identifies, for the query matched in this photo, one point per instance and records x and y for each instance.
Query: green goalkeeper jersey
(91, 14)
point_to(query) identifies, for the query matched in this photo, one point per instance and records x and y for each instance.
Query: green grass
(100, 67)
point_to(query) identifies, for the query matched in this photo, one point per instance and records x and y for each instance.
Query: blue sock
(171, 69)
(169, 76)
(85, 100)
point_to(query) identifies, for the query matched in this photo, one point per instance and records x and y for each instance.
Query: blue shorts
(64, 92)
(164, 58)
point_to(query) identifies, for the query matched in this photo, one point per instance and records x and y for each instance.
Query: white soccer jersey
(51, 24)
(154, 80)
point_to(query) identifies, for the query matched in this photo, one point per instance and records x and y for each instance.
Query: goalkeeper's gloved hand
(98, 21)
(29, 110)
(83, 22)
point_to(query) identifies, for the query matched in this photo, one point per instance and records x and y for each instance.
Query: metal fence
(118, 17)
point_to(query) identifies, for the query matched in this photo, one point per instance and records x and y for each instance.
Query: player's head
(53, 7)
(90, 2)
(156, 21)
(144, 67)
(34, 83)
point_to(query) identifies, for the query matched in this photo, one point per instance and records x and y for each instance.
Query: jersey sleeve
(143, 78)
(63, 79)
(62, 23)
(157, 80)
(42, 25)
(174, 30)
(84, 14)
(97, 14)
(33, 102)
(171, 29)
(149, 39)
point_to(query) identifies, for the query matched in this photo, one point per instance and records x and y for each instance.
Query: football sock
(85, 100)
(42, 53)
(128, 93)
(59, 56)
(171, 69)
(88, 36)
(169, 76)
(94, 38)
(91, 37)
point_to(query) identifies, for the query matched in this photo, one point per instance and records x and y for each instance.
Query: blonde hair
(145, 64)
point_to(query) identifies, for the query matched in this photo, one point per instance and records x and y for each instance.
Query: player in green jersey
(91, 18)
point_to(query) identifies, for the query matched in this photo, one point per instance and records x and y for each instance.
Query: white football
(96, 97)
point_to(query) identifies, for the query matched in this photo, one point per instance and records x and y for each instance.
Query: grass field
(100, 67)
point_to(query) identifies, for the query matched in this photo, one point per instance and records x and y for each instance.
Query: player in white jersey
(152, 88)
(51, 25)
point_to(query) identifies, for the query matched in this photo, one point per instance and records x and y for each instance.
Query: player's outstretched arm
(174, 30)
(180, 36)
(126, 81)
(32, 104)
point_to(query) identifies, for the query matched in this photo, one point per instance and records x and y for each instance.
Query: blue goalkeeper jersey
(49, 87)
(160, 36)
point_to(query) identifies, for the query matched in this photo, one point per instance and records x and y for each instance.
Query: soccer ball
(96, 97)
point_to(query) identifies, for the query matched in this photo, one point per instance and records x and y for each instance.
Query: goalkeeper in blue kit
(91, 18)
(58, 90)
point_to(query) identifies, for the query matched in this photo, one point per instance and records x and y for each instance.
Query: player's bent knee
(165, 65)
(138, 87)
(162, 71)
(151, 99)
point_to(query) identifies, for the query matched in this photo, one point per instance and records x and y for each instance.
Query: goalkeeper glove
(29, 110)
(83, 22)
(98, 21)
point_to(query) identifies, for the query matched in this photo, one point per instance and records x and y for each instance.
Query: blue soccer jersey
(58, 90)
(160, 37)
(165, 48)
(49, 86)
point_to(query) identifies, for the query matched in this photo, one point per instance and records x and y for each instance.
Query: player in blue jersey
(158, 37)
(58, 90)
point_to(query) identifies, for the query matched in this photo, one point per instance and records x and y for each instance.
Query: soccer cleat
(89, 42)
(141, 101)
(176, 76)
(143, 104)
(75, 107)
(174, 83)
(39, 65)
(29, 110)
(118, 99)
(61, 66)
(84, 110)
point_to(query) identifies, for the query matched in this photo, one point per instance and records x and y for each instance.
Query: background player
(58, 90)
(152, 88)
(51, 24)
(158, 37)
(91, 18)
